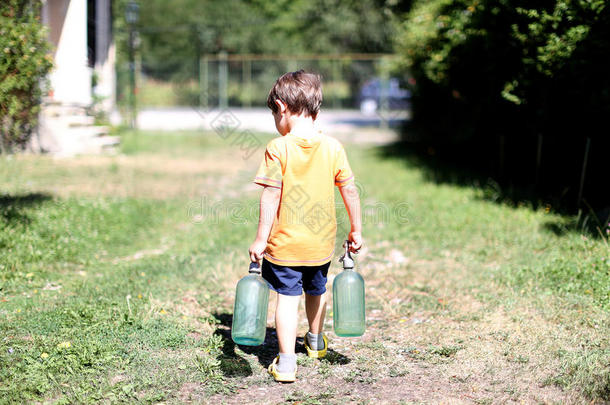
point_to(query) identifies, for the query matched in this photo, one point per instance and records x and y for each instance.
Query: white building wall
(71, 77)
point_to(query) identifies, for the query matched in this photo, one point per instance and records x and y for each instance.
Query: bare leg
(315, 307)
(286, 320)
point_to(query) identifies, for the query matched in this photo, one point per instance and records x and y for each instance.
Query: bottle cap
(348, 262)
(255, 268)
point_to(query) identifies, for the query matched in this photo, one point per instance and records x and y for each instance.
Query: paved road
(344, 124)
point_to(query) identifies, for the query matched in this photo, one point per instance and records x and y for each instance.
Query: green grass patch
(435, 219)
(180, 144)
(107, 297)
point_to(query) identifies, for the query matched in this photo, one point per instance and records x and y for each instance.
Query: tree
(507, 55)
(175, 33)
(24, 64)
(515, 69)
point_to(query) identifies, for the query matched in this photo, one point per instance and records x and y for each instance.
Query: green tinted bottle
(348, 299)
(250, 310)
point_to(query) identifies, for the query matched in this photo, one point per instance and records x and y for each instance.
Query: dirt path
(427, 340)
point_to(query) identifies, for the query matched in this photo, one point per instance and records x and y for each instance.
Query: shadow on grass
(12, 206)
(266, 352)
(439, 168)
(596, 224)
(458, 164)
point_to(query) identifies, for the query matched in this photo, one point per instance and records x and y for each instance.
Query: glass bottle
(250, 309)
(348, 299)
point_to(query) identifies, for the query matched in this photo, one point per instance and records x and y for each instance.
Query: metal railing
(244, 80)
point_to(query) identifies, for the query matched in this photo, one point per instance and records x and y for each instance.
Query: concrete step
(64, 111)
(79, 133)
(108, 141)
(91, 131)
(102, 130)
(67, 131)
(79, 120)
(95, 146)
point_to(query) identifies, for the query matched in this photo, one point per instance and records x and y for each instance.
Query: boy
(297, 224)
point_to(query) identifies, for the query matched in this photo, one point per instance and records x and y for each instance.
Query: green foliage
(427, 39)
(24, 64)
(518, 69)
(327, 26)
(175, 33)
(529, 46)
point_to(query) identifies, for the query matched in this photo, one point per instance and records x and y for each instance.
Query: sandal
(316, 354)
(281, 377)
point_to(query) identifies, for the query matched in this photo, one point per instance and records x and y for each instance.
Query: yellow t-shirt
(306, 169)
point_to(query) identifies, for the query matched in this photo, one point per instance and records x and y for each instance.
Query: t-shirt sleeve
(343, 173)
(270, 170)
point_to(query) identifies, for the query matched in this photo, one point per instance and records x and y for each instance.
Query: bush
(514, 75)
(24, 64)
(504, 52)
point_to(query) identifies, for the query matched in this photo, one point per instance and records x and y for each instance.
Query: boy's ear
(280, 105)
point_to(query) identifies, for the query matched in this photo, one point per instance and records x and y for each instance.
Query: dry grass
(430, 340)
(151, 176)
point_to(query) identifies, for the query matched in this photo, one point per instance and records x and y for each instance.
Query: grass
(117, 277)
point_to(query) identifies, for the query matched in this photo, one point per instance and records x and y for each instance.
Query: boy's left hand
(257, 248)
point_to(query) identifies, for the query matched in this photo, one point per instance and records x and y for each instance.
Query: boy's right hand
(355, 239)
(257, 248)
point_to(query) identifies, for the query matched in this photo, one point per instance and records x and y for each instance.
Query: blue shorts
(296, 279)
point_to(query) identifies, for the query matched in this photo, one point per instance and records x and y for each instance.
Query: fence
(243, 80)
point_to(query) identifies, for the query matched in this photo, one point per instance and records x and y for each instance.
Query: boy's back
(306, 168)
(296, 228)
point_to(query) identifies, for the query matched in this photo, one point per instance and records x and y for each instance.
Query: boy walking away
(297, 224)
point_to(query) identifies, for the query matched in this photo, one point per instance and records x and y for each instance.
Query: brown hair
(300, 91)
